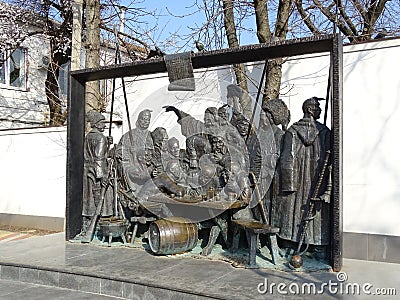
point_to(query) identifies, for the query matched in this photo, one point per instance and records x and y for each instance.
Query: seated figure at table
(160, 142)
(196, 132)
(221, 157)
(136, 139)
(219, 223)
(175, 153)
(238, 185)
(139, 172)
(226, 129)
(235, 143)
(174, 171)
(148, 176)
(205, 178)
(127, 152)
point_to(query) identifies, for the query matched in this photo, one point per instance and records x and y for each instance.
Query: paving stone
(89, 284)
(10, 273)
(23, 291)
(49, 278)
(68, 281)
(133, 291)
(29, 275)
(111, 287)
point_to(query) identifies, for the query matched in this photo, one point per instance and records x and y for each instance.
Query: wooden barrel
(172, 235)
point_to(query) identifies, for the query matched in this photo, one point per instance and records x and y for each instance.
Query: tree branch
(55, 5)
(346, 17)
(360, 9)
(374, 12)
(306, 18)
(262, 21)
(331, 17)
(145, 45)
(35, 32)
(282, 19)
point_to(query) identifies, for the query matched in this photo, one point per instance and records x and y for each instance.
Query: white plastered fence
(32, 175)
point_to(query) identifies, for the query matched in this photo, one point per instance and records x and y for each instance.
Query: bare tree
(60, 49)
(53, 20)
(226, 22)
(14, 26)
(358, 20)
(234, 14)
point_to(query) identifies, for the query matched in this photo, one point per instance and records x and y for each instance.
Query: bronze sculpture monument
(266, 178)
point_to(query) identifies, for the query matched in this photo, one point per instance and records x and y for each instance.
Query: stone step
(110, 286)
(21, 290)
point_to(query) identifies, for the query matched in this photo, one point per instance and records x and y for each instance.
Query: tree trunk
(57, 115)
(273, 79)
(239, 69)
(262, 21)
(274, 66)
(93, 99)
(60, 50)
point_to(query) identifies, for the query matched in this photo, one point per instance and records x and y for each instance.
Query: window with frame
(13, 68)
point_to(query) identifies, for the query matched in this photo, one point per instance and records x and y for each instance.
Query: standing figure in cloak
(277, 113)
(305, 145)
(263, 157)
(264, 148)
(95, 170)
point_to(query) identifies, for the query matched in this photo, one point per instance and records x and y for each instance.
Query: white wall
(32, 174)
(371, 150)
(33, 165)
(371, 117)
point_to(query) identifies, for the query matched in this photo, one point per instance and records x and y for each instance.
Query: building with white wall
(23, 73)
(22, 84)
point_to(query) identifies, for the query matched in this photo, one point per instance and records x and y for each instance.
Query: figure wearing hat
(305, 145)
(95, 169)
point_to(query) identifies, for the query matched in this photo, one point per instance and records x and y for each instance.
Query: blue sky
(174, 17)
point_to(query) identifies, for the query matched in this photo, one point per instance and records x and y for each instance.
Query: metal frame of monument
(243, 54)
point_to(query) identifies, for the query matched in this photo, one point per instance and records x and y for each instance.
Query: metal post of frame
(337, 154)
(75, 142)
